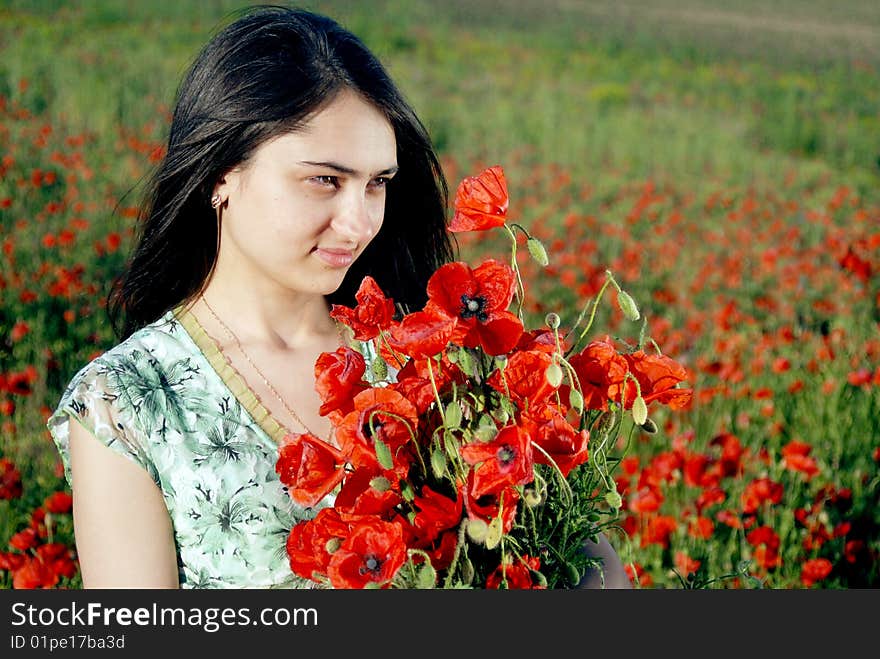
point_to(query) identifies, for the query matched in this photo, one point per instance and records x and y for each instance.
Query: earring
(216, 200)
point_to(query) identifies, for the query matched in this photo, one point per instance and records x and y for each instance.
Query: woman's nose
(354, 218)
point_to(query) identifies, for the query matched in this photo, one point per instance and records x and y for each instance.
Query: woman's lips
(337, 258)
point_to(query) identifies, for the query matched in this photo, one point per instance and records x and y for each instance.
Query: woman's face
(306, 204)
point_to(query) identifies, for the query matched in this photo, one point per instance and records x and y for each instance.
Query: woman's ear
(223, 188)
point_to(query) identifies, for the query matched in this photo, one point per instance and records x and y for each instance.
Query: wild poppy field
(726, 173)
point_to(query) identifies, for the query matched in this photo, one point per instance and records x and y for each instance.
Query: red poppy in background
(796, 457)
(814, 570)
(372, 313)
(10, 480)
(478, 300)
(480, 201)
(373, 553)
(310, 468)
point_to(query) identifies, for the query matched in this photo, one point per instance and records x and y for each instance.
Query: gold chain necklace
(268, 384)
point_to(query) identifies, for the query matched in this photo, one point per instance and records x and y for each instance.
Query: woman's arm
(121, 525)
(611, 574)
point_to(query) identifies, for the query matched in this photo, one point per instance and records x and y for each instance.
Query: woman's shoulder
(146, 348)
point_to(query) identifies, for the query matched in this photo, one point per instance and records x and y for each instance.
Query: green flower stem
(520, 289)
(450, 571)
(608, 279)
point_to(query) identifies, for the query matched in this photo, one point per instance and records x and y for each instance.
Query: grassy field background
(723, 160)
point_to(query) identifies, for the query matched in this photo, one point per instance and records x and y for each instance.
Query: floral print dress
(167, 399)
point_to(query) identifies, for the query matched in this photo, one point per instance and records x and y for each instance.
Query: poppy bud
(576, 400)
(383, 453)
(452, 416)
(573, 575)
(552, 320)
(531, 497)
(477, 530)
(614, 499)
(332, 545)
(438, 463)
(536, 249)
(649, 426)
(485, 433)
(427, 577)
(628, 305)
(554, 374)
(467, 571)
(606, 422)
(494, 532)
(538, 579)
(380, 484)
(379, 368)
(639, 410)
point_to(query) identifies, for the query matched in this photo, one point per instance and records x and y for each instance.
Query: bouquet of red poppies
(475, 453)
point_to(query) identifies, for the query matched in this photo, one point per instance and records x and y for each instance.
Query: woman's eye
(330, 181)
(381, 182)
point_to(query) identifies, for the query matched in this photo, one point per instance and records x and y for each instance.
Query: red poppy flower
(436, 513)
(796, 457)
(480, 201)
(598, 367)
(814, 570)
(361, 494)
(524, 378)
(372, 553)
(415, 384)
(516, 575)
(311, 543)
(58, 503)
(338, 379)
(478, 300)
(658, 377)
(10, 480)
(503, 462)
(549, 430)
(759, 492)
(309, 467)
(372, 313)
(382, 413)
(489, 506)
(422, 334)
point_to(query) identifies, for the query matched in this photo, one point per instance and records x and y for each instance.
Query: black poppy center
(372, 564)
(473, 307)
(506, 455)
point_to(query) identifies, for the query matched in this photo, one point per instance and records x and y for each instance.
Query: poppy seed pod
(639, 411)
(552, 320)
(628, 306)
(536, 249)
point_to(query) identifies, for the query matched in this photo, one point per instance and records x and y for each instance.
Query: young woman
(294, 168)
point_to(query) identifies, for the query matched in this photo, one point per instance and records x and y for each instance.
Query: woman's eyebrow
(342, 169)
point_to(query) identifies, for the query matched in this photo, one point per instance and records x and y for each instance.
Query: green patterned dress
(167, 399)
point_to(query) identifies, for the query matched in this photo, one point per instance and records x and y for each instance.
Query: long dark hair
(260, 77)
